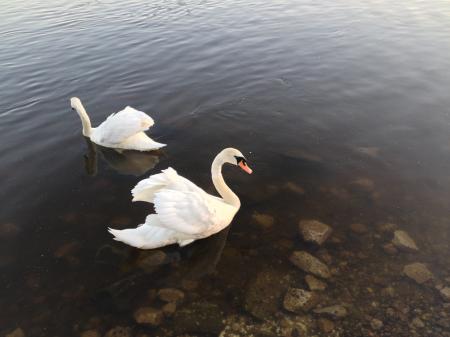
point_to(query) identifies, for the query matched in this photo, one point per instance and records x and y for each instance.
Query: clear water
(347, 99)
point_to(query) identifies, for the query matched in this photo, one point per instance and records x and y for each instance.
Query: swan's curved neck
(87, 128)
(219, 183)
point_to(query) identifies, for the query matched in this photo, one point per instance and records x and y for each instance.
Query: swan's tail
(146, 236)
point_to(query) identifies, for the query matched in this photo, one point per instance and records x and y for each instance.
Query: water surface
(341, 107)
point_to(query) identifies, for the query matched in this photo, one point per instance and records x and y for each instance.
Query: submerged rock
(119, 331)
(376, 324)
(325, 325)
(90, 333)
(264, 220)
(264, 293)
(148, 261)
(403, 241)
(314, 283)
(314, 231)
(335, 311)
(418, 272)
(171, 295)
(169, 308)
(445, 293)
(299, 300)
(417, 323)
(16, 333)
(310, 264)
(148, 315)
(198, 317)
(294, 326)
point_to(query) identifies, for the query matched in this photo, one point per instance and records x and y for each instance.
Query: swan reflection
(124, 162)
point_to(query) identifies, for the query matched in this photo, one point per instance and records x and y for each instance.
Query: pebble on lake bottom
(334, 311)
(264, 220)
(299, 300)
(314, 231)
(325, 325)
(310, 264)
(119, 331)
(445, 293)
(90, 333)
(16, 333)
(148, 315)
(376, 324)
(419, 272)
(171, 295)
(314, 283)
(403, 241)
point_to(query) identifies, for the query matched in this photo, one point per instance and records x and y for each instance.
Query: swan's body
(184, 211)
(121, 130)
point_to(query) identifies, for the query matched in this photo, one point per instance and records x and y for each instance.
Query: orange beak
(243, 165)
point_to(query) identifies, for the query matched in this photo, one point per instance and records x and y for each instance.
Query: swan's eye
(240, 160)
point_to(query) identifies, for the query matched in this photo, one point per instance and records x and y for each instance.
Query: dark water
(342, 108)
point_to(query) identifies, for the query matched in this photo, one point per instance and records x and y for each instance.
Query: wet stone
(359, 228)
(445, 293)
(299, 300)
(403, 241)
(148, 315)
(314, 283)
(334, 311)
(418, 272)
(314, 231)
(171, 295)
(264, 220)
(119, 331)
(310, 264)
(376, 324)
(16, 333)
(325, 325)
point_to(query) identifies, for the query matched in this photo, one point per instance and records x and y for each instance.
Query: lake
(342, 109)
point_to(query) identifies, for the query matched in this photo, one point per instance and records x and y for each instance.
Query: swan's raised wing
(146, 189)
(123, 124)
(192, 213)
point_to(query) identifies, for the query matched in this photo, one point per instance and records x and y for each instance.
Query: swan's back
(120, 126)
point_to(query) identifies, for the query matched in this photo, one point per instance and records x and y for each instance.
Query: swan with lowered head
(184, 211)
(121, 130)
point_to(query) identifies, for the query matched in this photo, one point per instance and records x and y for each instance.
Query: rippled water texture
(342, 108)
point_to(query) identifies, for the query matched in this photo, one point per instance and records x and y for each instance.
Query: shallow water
(341, 107)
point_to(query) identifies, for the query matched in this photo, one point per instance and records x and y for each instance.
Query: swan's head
(75, 103)
(235, 157)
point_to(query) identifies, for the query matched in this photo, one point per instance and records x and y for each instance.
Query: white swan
(184, 212)
(121, 130)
